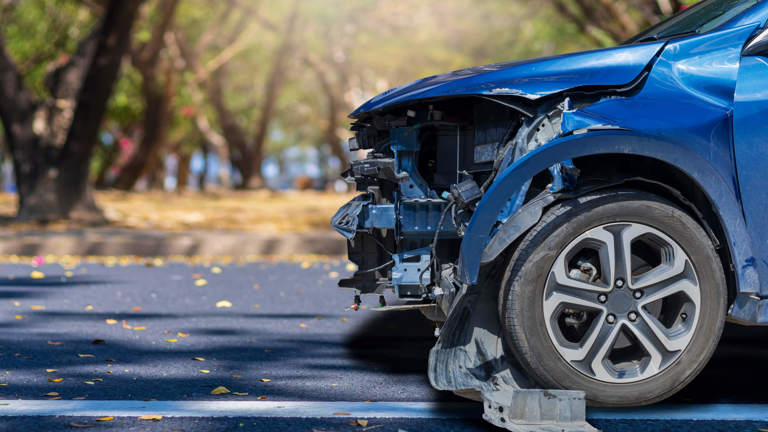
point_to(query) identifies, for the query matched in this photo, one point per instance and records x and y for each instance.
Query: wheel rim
(621, 302)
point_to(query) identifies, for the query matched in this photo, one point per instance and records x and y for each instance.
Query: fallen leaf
(55, 379)
(19, 317)
(256, 306)
(341, 413)
(302, 325)
(151, 417)
(219, 390)
(90, 382)
(256, 286)
(201, 282)
(51, 370)
(37, 275)
(345, 319)
(351, 267)
(224, 304)
(171, 340)
(333, 274)
(137, 308)
(85, 355)
(306, 265)
(215, 270)
(140, 328)
(111, 321)
(80, 425)
(198, 359)
(16, 303)
(240, 394)
(265, 380)
(182, 335)
(69, 274)
(37, 307)
(205, 371)
(196, 276)
(51, 394)
(261, 397)
(108, 418)
(362, 422)
(98, 342)
(98, 379)
(125, 325)
(89, 307)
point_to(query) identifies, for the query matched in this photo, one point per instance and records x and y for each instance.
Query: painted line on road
(704, 412)
(121, 408)
(422, 410)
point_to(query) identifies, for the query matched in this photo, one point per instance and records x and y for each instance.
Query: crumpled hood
(530, 79)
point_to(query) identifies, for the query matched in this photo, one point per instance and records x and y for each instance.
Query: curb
(163, 243)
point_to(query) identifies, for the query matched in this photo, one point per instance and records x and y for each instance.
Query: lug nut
(637, 294)
(611, 318)
(684, 316)
(632, 316)
(619, 283)
(602, 298)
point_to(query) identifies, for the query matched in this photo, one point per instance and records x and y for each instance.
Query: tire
(547, 331)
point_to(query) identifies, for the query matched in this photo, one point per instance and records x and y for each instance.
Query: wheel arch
(668, 169)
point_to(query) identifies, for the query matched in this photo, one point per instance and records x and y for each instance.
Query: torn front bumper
(470, 360)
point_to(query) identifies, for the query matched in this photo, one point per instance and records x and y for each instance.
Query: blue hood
(530, 79)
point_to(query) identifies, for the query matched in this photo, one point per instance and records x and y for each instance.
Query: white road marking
(726, 412)
(422, 410)
(120, 408)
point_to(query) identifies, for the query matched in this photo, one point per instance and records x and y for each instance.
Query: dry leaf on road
(151, 417)
(219, 390)
(224, 304)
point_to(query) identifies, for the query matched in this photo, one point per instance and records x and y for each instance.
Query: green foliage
(41, 32)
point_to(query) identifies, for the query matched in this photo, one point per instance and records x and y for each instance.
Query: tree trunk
(158, 88)
(182, 175)
(158, 98)
(274, 83)
(52, 174)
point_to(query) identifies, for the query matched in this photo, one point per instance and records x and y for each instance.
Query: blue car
(582, 222)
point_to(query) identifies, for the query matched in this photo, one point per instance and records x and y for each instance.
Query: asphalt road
(141, 333)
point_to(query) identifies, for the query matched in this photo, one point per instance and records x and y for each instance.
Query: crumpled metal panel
(469, 359)
(531, 79)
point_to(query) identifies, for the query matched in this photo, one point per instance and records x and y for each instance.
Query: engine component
(466, 193)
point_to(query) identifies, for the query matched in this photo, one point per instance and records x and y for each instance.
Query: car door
(750, 122)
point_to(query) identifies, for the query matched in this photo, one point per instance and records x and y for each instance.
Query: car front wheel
(620, 294)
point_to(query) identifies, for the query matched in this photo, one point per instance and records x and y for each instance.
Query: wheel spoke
(622, 249)
(600, 348)
(655, 330)
(656, 345)
(670, 287)
(673, 264)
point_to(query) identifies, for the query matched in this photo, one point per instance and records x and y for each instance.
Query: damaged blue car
(582, 222)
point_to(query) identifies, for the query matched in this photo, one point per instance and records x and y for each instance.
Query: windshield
(699, 18)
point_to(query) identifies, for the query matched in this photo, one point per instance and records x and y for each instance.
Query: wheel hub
(621, 302)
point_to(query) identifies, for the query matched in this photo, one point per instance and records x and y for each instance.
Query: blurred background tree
(240, 93)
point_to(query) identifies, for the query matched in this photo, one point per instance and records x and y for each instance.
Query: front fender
(719, 191)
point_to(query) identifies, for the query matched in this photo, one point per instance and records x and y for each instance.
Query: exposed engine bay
(427, 167)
